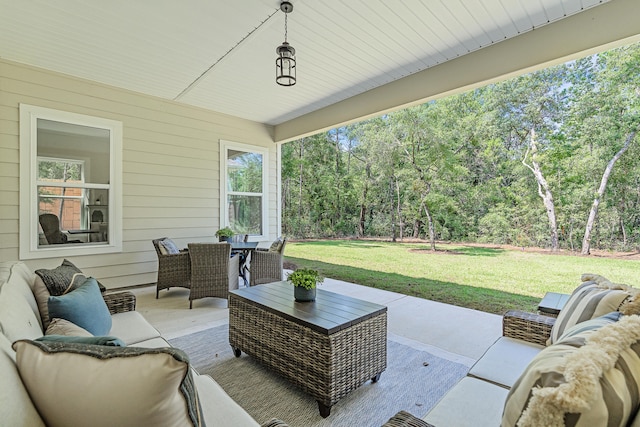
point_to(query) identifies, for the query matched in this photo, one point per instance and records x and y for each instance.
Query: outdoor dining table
(245, 249)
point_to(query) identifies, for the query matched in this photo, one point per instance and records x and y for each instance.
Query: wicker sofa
(543, 365)
(21, 323)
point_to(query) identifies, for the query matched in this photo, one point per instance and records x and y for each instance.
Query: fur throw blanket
(582, 372)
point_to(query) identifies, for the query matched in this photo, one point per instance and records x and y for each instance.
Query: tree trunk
(586, 241)
(363, 210)
(432, 233)
(416, 228)
(400, 220)
(543, 190)
(393, 211)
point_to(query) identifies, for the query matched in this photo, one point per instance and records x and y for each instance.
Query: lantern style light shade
(286, 60)
(286, 65)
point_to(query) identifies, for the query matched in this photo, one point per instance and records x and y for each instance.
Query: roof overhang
(609, 25)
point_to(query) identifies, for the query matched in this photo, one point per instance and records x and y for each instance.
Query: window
(244, 190)
(70, 187)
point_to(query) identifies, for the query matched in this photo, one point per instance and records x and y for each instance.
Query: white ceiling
(220, 55)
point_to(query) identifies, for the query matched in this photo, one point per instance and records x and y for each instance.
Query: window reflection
(244, 191)
(72, 183)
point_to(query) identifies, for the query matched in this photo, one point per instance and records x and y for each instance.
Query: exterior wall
(171, 167)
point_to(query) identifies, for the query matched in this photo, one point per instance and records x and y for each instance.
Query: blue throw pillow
(105, 340)
(83, 306)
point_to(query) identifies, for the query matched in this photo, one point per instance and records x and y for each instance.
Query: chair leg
(190, 304)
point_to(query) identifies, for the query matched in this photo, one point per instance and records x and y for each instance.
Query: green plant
(305, 278)
(224, 232)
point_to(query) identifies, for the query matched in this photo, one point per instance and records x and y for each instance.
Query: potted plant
(224, 234)
(304, 282)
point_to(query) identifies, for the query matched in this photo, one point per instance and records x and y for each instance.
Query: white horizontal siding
(170, 167)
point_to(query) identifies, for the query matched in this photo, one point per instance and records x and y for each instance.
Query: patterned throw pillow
(62, 279)
(80, 384)
(589, 378)
(169, 246)
(587, 301)
(276, 246)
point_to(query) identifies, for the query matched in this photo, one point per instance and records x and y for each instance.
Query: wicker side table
(328, 347)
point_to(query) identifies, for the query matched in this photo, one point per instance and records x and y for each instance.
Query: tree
(529, 109)
(586, 242)
(543, 188)
(605, 115)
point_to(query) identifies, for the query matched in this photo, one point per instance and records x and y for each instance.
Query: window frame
(28, 225)
(225, 146)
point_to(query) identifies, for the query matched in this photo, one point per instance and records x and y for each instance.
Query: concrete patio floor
(455, 333)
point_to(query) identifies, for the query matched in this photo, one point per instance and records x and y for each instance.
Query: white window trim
(224, 212)
(29, 115)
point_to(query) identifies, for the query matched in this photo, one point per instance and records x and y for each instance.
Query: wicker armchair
(213, 271)
(173, 269)
(266, 265)
(50, 224)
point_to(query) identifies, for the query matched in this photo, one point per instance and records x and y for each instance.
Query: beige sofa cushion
(16, 408)
(504, 361)
(17, 276)
(17, 320)
(131, 327)
(152, 343)
(218, 408)
(470, 403)
(101, 386)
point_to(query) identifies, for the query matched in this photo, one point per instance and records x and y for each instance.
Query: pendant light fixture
(286, 61)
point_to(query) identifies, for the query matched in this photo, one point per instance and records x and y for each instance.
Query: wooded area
(548, 159)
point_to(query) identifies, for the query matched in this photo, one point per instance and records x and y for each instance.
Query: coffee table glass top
(329, 313)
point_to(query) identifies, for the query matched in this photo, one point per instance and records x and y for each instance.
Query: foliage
(305, 278)
(225, 232)
(463, 168)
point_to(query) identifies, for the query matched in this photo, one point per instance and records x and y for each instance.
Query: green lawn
(488, 279)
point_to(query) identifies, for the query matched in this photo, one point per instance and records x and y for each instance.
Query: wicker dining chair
(173, 269)
(213, 271)
(266, 265)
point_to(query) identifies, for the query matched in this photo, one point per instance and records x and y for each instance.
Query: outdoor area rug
(414, 381)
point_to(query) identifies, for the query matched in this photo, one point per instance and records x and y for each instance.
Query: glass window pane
(244, 172)
(60, 171)
(245, 214)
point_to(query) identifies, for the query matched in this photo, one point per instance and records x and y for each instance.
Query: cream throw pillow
(588, 301)
(99, 386)
(66, 328)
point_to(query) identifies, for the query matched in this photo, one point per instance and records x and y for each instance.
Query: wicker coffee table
(328, 347)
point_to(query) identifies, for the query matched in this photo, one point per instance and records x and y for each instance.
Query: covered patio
(161, 103)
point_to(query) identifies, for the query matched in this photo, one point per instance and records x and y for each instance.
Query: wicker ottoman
(327, 348)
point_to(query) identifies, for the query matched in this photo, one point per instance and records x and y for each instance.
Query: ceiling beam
(597, 29)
